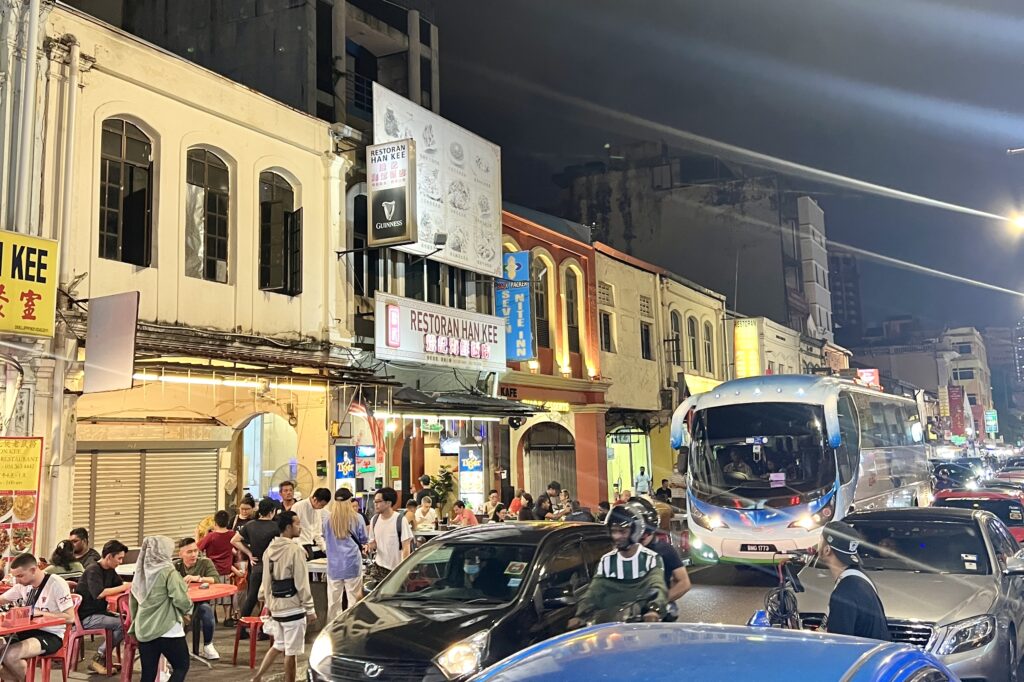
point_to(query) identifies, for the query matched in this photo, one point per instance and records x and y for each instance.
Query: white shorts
(289, 636)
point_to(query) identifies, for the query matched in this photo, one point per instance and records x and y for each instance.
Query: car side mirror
(556, 598)
(1014, 565)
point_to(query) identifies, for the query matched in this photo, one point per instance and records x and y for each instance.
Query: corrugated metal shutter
(180, 490)
(117, 503)
(82, 495)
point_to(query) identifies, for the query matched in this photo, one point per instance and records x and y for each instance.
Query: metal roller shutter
(179, 491)
(82, 494)
(116, 500)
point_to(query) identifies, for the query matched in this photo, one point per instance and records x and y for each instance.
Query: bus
(771, 459)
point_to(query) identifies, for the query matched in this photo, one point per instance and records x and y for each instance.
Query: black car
(463, 601)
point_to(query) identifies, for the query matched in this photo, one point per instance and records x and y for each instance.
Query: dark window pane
(111, 144)
(137, 152)
(125, 194)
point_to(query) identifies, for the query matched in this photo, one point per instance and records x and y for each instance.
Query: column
(415, 49)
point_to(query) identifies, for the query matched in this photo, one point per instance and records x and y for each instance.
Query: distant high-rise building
(1018, 350)
(844, 282)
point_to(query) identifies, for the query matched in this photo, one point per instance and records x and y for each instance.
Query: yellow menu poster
(21, 462)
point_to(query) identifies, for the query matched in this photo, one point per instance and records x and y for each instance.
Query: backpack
(398, 527)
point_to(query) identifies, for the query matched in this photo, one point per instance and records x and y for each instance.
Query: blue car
(642, 651)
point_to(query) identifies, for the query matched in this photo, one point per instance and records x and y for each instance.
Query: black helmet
(628, 518)
(647, 512)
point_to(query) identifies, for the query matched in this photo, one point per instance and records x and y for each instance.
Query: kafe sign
(391, 195)
(415, 331)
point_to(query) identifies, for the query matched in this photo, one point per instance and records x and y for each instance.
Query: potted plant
(444, 485)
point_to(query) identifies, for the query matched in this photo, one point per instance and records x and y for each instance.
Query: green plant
(443, 486)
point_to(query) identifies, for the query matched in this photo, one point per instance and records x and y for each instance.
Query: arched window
(676, 351)
(280, 236)
(572, 313)
(206, 216)
(691, 340)
(540, 278)
(709, 348)
(126, 194)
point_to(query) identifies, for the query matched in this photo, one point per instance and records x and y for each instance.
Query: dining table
(12, 623)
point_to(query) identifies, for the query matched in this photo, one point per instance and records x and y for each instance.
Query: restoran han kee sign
(414, 331)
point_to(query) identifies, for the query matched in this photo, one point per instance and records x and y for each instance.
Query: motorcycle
(632, 612)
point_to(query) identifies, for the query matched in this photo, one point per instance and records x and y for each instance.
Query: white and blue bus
(772, 459)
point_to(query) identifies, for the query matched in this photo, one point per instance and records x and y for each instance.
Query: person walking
(390, 535)
(344, 532)
(642, 482)
(288, 597)
(158, 604)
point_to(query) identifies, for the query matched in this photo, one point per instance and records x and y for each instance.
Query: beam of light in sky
(727, 150)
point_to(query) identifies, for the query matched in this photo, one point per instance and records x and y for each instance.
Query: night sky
(925, 97)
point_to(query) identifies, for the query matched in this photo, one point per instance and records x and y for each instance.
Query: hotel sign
(414, 331)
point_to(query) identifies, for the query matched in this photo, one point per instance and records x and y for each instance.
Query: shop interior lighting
(228, 383)
(435, 417)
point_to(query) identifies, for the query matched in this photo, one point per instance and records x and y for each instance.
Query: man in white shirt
(311, 517)
(43, 592)
(642, 482)
(426, 515)
(390, 534)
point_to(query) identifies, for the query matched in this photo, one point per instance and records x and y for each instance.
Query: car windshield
(761, 449)
(1010, 511)
(460, 572)
(955, 472)
(924, 546)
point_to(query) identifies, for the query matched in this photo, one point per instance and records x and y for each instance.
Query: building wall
(979, 386)
(926, 366)
(251, 133)
(775, 348)
(844, 283)
(635, 380)
(814, 254)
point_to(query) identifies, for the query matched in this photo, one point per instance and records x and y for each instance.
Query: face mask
(471, 569)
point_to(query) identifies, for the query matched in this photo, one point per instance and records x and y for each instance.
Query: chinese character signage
(956, 410)
(28, 284)
(345, 466)
(943, 401)
(991, 421)
(515, 305)
(746, 340)
(20, 464)
(391, 196)
(458, 183)
(471, 475)
(414, 331)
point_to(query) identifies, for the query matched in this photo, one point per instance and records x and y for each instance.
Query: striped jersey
(617, 567)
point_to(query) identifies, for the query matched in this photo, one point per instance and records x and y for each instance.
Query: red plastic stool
(255, 626)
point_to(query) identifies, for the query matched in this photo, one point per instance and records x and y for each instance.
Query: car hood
(905, 595)
(407, 629)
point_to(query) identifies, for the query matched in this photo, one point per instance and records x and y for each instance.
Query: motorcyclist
(629, 574)
(854, 607)
(677, 580)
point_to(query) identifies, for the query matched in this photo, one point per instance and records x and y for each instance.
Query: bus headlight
(706, 521)
(817, 519)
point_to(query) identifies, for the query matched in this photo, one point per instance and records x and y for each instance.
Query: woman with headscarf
(159, 601)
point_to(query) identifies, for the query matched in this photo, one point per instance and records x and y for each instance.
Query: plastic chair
(47, 660)
(78, 633)
(255, 626)
(130, 644)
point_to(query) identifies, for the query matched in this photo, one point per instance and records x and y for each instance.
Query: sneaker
(98, 666)
(230, 622)
(165, 675)
(210, 653)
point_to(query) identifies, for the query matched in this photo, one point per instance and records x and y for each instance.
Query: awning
(410, 402)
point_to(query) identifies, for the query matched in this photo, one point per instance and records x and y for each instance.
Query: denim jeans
(204, 614)
(106, 622)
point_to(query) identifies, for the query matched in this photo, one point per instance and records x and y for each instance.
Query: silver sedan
(951, 582)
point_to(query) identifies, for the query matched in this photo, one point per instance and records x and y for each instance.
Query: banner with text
(20, 464)
(516, 305)
(956, 410)
(28, 284)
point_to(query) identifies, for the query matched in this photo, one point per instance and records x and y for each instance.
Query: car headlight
(320, 654)
(968, 634)
(818, 518)
(462, 658)
(706, 521)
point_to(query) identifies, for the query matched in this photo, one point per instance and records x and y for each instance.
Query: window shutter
(293, 226)
(195, 230)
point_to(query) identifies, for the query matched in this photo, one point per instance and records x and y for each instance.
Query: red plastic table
(10, 626)
(197, 595)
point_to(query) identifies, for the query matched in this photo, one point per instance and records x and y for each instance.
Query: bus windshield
(760, 450)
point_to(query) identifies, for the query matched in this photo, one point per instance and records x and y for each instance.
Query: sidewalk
(222, 671)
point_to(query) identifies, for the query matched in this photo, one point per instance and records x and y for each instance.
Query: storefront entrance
(550, 455)
(629, 449)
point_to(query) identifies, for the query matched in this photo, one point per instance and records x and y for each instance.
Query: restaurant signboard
(415, 331)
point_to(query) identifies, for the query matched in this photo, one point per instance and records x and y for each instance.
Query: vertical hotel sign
(515, 305)
(28, 284)
(20, 464)
(391, 182)
(747, 348)
(956, 410)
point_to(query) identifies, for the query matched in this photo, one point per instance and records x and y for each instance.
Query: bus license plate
(757, 548)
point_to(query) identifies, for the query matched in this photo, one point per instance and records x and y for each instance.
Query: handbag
(283, 588)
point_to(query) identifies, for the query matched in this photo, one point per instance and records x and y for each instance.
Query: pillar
(591, 458)
(415, 50)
